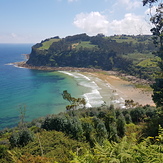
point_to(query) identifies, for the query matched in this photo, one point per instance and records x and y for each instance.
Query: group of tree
(157, 30)
(101, 52)
(75, 103)
(97, 134)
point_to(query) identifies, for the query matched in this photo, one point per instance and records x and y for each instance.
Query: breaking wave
(96, 91)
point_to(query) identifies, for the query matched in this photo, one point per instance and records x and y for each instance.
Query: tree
(157, 30)
(21, 138)
(22, 111)
(137, 114)
(74, 102)
(121, 125)
(111, 126)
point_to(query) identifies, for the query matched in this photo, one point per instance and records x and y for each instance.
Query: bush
(69, 125)
(137, 114)
(3, 150)
(21, 138)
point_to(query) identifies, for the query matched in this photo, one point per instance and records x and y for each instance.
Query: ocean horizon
(40, 92)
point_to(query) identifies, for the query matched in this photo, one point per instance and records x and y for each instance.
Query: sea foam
(91, 90)
(97, 91)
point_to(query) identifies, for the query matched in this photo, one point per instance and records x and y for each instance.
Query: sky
(31, 21)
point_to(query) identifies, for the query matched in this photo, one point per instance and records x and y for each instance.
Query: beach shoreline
(125, 88)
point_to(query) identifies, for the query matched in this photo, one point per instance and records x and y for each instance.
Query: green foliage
(55, 145)
(70, 126)
(27, 158)
(101, 134)
(110, 123)
(74, 102)
(121, 125)
(150, 62)
(152, 127)
(157, 30)
(122, 152)
(48, 43)
(21, 138)
(137, 58)
(97, 52)
(22, 111)
(85, 44)
(3, 150)
(158, 92)
(137, 114)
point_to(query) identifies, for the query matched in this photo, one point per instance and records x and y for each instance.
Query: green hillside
(124, 53)
(85, 44)
(47, 44)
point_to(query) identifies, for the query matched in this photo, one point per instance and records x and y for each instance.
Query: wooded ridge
(130, 54)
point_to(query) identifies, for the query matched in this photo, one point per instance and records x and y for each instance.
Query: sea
(39, 92)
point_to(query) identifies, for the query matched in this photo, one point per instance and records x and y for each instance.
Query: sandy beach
(124, 89)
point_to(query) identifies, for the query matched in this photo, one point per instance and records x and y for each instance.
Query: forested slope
(130, 54)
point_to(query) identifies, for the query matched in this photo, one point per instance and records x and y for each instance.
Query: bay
(38, 91)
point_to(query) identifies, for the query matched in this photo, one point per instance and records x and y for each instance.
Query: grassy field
(85, 44)
(150, 62)
(47, 44)
(128, 39)
(138, 57)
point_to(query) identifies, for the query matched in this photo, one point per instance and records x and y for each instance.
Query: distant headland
(131, 55)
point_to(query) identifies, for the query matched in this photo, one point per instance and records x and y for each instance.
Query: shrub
(21, 138)
(137, 114)
(3, 150)
(69, 125)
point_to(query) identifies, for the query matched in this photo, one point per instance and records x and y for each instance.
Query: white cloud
(151, 11)
(92, 23)
(130, 24)
(130, 4)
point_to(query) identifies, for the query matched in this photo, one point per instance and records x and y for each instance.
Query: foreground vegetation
(102, 134)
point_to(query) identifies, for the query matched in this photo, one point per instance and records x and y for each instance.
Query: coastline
(124, 88)
(24, 65)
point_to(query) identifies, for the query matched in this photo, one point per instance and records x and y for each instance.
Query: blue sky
(30, 21)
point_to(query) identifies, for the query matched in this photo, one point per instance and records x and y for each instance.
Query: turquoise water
(39, 91)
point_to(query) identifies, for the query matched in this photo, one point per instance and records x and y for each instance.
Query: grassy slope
(127, 39)
(139, 59)
(85, 44)
(150, 62)
(46, 44)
